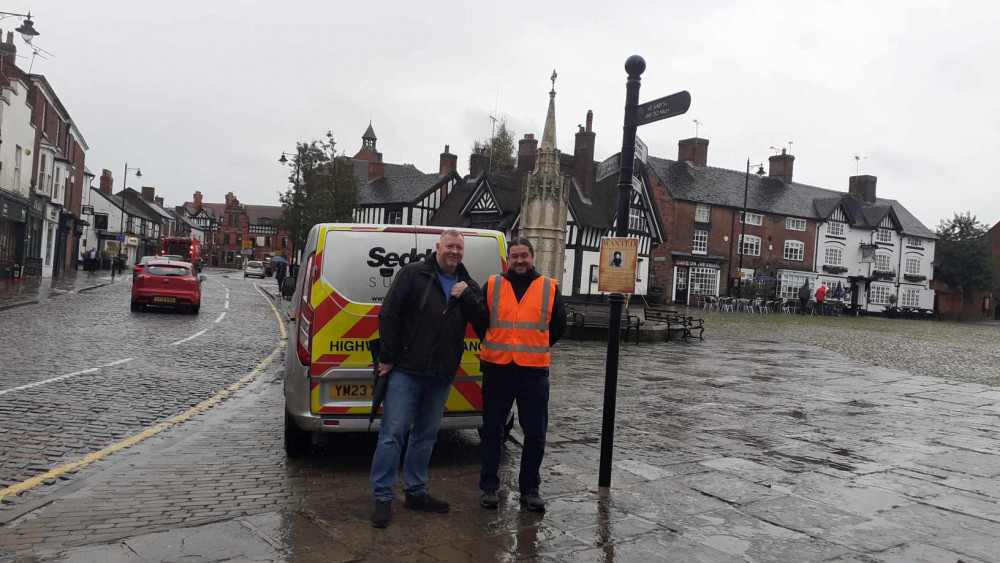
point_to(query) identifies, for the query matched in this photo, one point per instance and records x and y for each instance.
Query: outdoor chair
(727, 304)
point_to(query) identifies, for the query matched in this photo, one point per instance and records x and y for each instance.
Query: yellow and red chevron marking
(342, 332)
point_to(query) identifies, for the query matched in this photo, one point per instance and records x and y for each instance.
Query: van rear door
(358, 265)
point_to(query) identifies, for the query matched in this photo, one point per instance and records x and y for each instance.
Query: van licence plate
(350, 391)
(164, 300)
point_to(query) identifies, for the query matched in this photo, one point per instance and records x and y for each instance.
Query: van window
(360, 265)
(482, 254)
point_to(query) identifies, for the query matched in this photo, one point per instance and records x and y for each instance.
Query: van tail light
(304, 323)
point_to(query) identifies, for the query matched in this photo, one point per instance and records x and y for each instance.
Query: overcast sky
(205, 95)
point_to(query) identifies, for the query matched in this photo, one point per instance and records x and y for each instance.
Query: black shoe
(427, 503)
(490, 500)
(382, 514)
(533, 501)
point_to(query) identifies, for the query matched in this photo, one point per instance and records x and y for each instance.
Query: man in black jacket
(421, 328)
(510, 381)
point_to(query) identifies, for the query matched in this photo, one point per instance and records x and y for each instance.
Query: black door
(681, 285)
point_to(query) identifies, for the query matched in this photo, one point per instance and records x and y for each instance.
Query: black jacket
(420, 331)
(519, 283)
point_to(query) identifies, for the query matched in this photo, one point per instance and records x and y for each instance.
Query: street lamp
(743, 219)
(27, 29)
(298, 161)
(121, 225)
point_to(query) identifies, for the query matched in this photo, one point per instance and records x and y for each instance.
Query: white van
(345, 273)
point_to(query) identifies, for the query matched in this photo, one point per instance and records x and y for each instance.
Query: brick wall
(678, 218)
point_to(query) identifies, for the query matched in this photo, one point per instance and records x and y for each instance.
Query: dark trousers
(802, 305)
(502, 386)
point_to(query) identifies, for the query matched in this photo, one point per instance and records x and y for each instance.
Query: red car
(168, 284)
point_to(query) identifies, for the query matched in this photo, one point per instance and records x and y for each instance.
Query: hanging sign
(616, 273)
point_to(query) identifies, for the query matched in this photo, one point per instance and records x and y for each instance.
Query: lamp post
(121, 225)
(298, 170)
(743, 220)
(27, 29)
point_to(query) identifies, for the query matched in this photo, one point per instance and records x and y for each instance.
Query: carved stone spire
(549, 132)
(545, 203)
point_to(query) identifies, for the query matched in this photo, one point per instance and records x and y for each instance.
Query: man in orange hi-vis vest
(526, 317)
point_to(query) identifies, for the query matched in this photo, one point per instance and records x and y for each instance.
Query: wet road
(726, 450)
(83, 372)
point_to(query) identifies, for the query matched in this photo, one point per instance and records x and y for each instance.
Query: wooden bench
(676, 323)
(589, 316)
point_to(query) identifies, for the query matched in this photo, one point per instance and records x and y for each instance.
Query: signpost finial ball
(635, 65)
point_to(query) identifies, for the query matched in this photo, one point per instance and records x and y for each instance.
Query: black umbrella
(378, 381)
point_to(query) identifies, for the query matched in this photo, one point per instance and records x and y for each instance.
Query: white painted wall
(16, 130)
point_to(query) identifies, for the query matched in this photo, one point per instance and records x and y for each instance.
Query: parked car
(172, 257)
(254, 268)
(142, 264)
(165, 283)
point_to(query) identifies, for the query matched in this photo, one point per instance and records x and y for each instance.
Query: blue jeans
(409, 400)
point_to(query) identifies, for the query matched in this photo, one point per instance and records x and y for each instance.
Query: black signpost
(635, 115)
(668, 106)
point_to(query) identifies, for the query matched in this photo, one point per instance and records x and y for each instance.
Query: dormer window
(883, 235)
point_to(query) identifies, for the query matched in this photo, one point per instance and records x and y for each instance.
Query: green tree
(963, 259)
(322, 188)
(500, 147)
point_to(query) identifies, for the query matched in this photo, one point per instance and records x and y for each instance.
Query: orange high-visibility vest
(519, 331)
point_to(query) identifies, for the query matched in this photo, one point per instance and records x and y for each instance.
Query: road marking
(192, 337)
(50, 380)
(33, 482)
(277, 315)
(220, 317)
(136, 438)
(119, 362)
(227, 303)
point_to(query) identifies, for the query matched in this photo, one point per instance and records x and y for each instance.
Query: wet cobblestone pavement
(725, 450)
(959, 351)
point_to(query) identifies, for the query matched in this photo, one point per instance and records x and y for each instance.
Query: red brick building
(701, 207)
(236, 232)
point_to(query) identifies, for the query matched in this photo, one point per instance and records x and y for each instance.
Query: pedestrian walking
(421, 329)
(803, 297)
(526, 317)
(820, 297)
(279, 273)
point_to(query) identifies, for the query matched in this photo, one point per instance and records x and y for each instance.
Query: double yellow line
(154, 430)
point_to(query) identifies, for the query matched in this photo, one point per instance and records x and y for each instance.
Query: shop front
(694, 276)
(13, 222)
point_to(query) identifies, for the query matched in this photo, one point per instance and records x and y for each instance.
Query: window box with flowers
(834, 269)
(883, 275)
(915, 278)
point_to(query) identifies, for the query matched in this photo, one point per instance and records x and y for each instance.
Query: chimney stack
(376, 168)
(780, 166)
(478, 162)
(583, 157)
(8, 51)
(694, 150)
(527, 152)
(107, 182)
(863, 186)
(159, 200)
(148, 193)
(230, 200)
(449, 162)
(197, 197)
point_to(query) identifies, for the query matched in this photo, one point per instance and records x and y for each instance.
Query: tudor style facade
(493, 200)
(235, 232)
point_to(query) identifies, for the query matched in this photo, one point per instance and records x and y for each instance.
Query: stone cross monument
(546, 201)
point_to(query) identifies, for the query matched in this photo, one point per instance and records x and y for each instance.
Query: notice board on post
(616, 273)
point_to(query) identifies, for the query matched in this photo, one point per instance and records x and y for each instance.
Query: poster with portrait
(616, 273)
